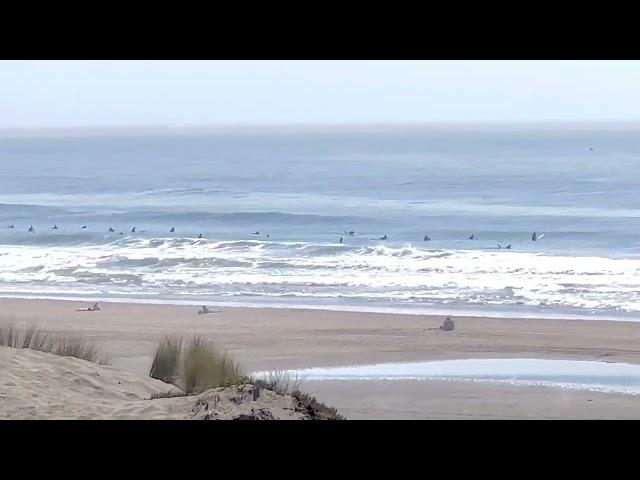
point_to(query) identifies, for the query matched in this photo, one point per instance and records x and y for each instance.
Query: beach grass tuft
(38, 339)
(279, 381)
(194, 366)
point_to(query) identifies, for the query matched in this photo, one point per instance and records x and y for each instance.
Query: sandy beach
(266, 338)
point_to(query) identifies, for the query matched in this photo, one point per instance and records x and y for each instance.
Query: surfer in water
(10, 226)
(55, 227)
(340, 239)
(83, 227)
(508, 247)
(427, 238)
(384, 237)
(534, 237)
(31, 229)
(472, 237)
(133, 230)
(499, 246)
(256, 233)
(111, 229)
(173, 229)
(200, 236)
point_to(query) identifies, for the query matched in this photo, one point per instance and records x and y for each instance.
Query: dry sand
(38, 385)
(268, 338)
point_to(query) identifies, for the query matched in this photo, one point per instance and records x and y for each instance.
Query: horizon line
(239, 127)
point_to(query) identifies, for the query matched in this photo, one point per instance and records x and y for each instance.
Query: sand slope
(37, 385)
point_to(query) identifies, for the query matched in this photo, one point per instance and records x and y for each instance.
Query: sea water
(271, 206)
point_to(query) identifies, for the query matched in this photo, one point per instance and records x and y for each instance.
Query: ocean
(303, 189)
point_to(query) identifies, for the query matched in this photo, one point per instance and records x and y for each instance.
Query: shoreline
(467, 311)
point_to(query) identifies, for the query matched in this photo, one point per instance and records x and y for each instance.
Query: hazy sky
(185, 93)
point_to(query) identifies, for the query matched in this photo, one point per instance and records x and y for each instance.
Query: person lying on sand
(205, 310)
(93, 308)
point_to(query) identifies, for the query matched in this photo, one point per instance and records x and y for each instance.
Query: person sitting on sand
(448, 325)
(93, 308)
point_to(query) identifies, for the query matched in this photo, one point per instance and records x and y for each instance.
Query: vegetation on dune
(37, 339)
(194, 366)
(197, 365)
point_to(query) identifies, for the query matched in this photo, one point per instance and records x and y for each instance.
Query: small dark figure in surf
(111, 229)
(200, 236)
(472, 237)
(340, 239)
(427, 238)
(133, 230)
(31, 229)
(172, 230)
(256, 233)
(121, 233)
(384, 237)
(352, 233)
(83, 227)
(499, 246)
(267, 235)
(534, 237)
(10, 226)
(55, 227)
(508, 247)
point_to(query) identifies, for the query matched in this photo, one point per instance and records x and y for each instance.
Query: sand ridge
(40, 386)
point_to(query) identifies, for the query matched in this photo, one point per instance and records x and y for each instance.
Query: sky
(43, 94)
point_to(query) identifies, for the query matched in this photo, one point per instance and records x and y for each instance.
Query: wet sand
(266, 338)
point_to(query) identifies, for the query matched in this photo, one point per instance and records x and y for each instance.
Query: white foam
(325, 271)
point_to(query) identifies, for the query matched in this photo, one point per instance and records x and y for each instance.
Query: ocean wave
(185, 266)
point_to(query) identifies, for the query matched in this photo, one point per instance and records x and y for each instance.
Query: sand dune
(41, 386)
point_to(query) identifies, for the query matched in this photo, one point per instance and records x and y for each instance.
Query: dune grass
(166, 361)
(38, 339)
(280, 381)
(197, 365)
(194, 366)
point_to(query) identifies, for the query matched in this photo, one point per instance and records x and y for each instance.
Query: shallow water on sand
(571, 374)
